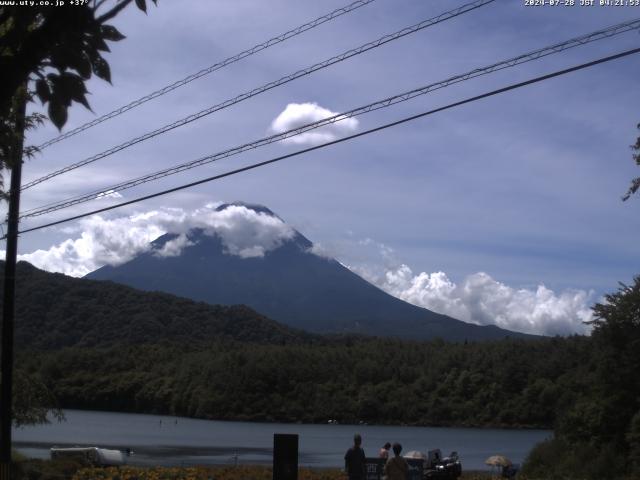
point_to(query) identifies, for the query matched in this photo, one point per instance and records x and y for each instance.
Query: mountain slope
(54, 311)
(289, 284)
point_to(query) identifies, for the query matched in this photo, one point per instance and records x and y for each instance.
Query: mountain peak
(249, 206)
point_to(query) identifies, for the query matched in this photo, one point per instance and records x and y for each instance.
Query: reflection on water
(161, 440)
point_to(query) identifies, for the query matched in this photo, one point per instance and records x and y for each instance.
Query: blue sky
(524, 188)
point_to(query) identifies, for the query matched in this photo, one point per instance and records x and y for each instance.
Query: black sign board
(375, 467)
(285, 456)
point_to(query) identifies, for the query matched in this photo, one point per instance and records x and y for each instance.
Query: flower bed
(197, 473)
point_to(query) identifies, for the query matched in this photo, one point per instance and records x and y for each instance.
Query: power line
(524, 58)
(206, 71)
(268, 86)
(344, 139)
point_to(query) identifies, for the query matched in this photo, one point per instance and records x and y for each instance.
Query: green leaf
(82, 65)
(100, 44)
(43, 91)
(73, 82)
(57, 91)
(60, 90)
(142, 5)
(109, 32)
(81, 98)
(74, 88)
(57, 114)
(101, 68)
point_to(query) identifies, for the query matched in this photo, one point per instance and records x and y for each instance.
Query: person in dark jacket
(397, 467)
(354, 460)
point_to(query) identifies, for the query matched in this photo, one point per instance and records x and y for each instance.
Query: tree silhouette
(635, 183)
(53, 51)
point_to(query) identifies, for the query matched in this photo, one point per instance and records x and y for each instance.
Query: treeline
(510, 383)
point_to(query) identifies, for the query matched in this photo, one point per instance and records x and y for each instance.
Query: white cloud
(110, 194)
(321, 250)
(298, 114)
(243, 231)
(173, 248)
(102, 242)
(482, 300)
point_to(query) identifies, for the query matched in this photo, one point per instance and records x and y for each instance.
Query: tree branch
(113, 12)
(97, 4)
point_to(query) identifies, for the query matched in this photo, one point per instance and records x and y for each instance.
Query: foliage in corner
(51, 51)
(55, 51)
(635, 183)
(33, 401)
(8, 140)
(599, 434)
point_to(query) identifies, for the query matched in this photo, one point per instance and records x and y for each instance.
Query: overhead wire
(206, 71)
(268, 86)
(343, 139)
(379, 104)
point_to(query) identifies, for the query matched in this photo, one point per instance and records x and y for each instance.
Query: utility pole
(8, 306)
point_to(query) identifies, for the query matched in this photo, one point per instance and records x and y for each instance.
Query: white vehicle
(94, 455)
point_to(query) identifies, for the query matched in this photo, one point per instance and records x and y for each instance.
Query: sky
(506, 210)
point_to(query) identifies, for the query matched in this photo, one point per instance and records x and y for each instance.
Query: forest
(511, 383)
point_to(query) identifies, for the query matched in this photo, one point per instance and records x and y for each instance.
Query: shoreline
(246, 419)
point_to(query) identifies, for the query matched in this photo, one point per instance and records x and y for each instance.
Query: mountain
(55, 311)
(289, 284)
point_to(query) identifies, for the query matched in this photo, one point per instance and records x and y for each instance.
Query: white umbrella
(498, 461)
(415, 454)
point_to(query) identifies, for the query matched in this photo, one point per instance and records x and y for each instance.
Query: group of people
(395, 468)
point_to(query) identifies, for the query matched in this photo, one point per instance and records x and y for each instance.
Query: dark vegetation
(635, 183)
(509, 383)
(598, 436)
(54, 51)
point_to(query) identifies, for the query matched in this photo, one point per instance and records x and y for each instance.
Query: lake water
(163, 440)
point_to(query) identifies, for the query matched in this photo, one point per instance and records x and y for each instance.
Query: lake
(170, 441)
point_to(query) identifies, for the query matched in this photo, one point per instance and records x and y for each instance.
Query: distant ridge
(54, 311)
(290, 285)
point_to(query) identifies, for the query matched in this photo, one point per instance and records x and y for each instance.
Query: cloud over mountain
(298, 114)
(249, 231)
(244, 232)
(482, 300)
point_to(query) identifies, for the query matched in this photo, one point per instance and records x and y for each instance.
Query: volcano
(287, 283)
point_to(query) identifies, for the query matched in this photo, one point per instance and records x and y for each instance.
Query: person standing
(354, 460)
(384, 451)
(397, 467)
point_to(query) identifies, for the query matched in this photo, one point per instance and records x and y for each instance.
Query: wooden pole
(8, 306)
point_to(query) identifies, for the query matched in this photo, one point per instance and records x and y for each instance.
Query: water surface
(163, 440)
